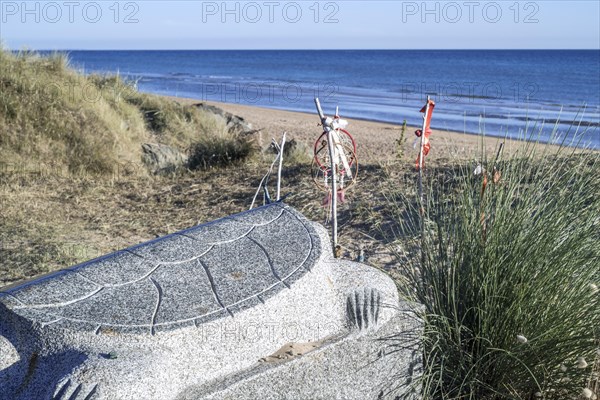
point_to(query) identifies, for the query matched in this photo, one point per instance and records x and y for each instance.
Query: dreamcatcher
(334, 166)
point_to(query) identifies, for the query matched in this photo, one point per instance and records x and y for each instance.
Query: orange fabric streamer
(419, 132)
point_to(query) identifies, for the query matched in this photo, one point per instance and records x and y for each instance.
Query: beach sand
(376, 141)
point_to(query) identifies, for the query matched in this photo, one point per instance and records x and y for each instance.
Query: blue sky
(299, 24)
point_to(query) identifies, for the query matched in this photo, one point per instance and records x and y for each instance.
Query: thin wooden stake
(421, 195)
(333, 187)
(333, 161)
(280, 165)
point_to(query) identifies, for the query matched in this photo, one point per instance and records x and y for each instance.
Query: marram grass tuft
(508, 270)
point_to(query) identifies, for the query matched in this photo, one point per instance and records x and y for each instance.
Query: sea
(547, 95)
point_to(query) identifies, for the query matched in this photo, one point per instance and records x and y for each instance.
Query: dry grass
(72, 186)
(167, 121)
(52, 221)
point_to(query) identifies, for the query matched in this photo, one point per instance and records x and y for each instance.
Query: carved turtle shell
(188, 278)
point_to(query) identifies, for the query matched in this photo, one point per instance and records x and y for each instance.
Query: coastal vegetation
(52, 114)
(508, 273)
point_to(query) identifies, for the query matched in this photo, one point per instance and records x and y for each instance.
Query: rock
(250, 306)
(162, 159)
(234, 123)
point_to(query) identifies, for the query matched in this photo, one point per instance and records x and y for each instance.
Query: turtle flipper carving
(8, 353)
(363, 307)
(69, 390)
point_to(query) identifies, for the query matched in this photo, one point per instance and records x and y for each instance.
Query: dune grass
(508, 273)
(52, 116)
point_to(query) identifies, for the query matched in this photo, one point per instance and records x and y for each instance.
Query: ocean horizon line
(320, 49)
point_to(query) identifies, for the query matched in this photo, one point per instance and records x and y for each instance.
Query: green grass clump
(217, 152)
(508, 275)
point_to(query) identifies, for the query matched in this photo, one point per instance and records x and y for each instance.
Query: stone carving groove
(363, 308)
(78, 392)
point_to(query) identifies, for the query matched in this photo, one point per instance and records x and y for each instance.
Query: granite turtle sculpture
(191, 315)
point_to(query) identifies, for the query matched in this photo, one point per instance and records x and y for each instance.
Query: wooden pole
(333, 187)
(280, 165)
(421, 155)
(333, 161)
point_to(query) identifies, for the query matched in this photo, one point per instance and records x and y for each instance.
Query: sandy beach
(377, 141)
